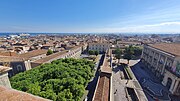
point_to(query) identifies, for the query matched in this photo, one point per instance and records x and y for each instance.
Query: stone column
(158, 61)
(175, 87)
(172, 85)
(164, 82)
(164, 66)
(27, 64)
(153, 58)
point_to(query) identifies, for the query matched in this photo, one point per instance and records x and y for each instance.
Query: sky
(90, 16)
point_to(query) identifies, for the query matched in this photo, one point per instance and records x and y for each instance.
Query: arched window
(169, 82)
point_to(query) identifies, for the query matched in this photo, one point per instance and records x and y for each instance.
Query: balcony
(168, 68)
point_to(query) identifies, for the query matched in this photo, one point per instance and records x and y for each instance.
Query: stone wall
(4, 80)
(17, 67)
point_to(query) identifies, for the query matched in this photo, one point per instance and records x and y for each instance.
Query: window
(19, 68)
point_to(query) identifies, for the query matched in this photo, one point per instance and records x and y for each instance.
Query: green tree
(128, 53)
(61, 97)
(49, 94)
(61, 80)
(34, 89)
(118, 53)
(49, 52)
(91, 52)
(96, 52)
(137, 51)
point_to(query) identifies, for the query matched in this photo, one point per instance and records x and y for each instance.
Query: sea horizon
(48, 33)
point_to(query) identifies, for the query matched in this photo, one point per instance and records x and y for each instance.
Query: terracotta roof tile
(10, 59)
(8, 53)
(103, 89)
(172, 48)
(7, 94)
(102, 92)
(33, 53)
(53, 56)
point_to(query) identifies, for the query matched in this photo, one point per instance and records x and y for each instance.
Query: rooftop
(172, 48)
(4, 69)
(54, 55)
(103, 89)
(128, 42)
(33, 53)
(105, 68)
(10, 59)
(7, 94)
(102, 92)
(97, 43)
(6, 53)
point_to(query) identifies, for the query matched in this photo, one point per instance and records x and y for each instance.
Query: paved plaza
(120, 85)
(152, 87)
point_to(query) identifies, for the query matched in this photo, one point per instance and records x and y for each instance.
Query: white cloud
(164, 27)
(163, 24)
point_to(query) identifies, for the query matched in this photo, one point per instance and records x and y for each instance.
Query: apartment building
(101, 47)
(163, 60)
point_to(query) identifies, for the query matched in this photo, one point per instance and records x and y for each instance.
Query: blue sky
(148, 16)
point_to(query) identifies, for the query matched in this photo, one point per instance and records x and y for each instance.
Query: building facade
(101, 47)
(124, 44)
(164, 61)
(16, 64)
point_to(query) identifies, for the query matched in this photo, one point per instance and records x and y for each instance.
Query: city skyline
(102, 16)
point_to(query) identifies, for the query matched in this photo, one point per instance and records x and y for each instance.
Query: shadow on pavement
(152, 85)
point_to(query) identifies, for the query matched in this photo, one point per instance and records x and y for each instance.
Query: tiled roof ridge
(171, 48)
(8, 94)
(103, 88)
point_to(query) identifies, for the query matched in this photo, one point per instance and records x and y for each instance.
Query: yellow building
(163, 60)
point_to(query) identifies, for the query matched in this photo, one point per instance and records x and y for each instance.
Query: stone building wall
(4, 80)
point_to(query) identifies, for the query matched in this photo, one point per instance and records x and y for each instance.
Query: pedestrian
(115, 91)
